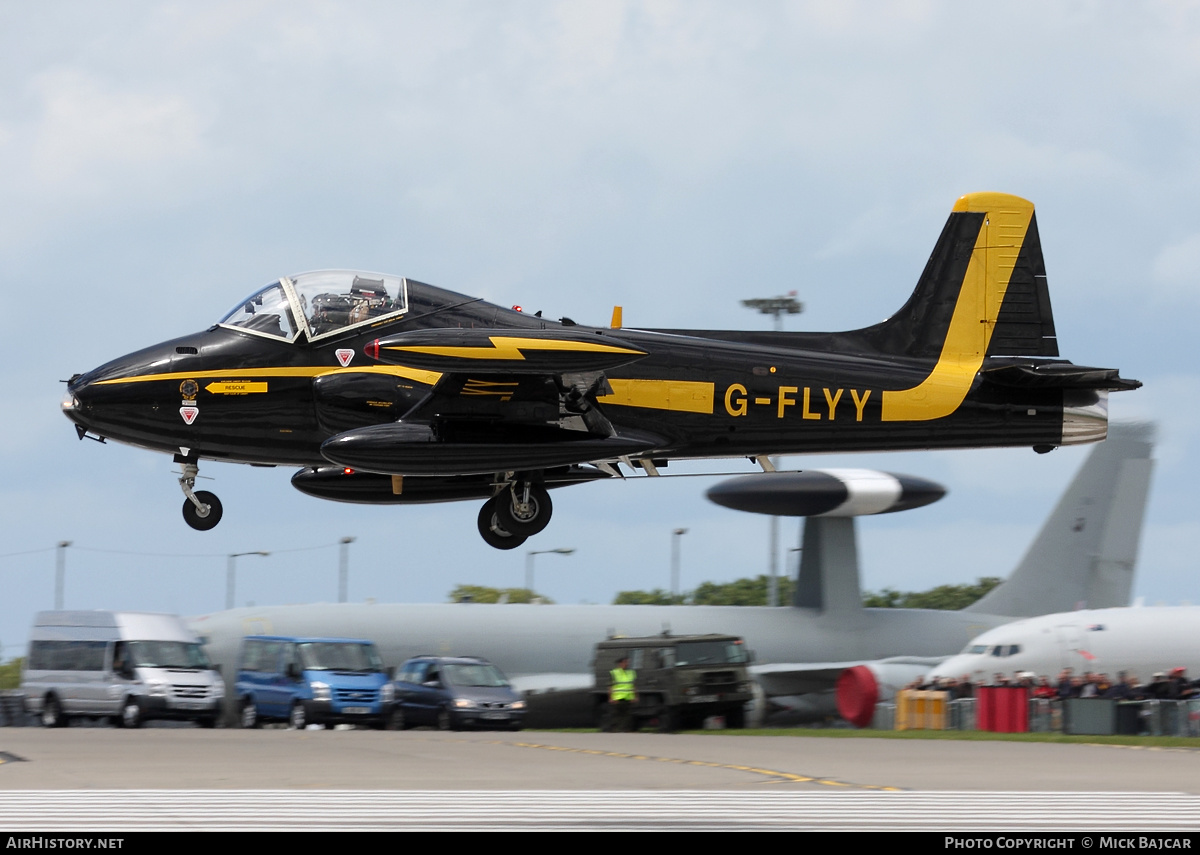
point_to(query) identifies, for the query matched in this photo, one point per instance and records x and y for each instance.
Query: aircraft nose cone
(74, 404)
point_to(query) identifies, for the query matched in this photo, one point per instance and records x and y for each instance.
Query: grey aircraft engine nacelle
(861, 687)
(825, 493)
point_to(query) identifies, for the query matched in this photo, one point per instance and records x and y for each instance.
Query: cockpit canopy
(319, 304)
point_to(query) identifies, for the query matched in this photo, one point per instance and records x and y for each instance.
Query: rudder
(983, 291)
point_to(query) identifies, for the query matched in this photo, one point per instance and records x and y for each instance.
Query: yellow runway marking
(775, 775)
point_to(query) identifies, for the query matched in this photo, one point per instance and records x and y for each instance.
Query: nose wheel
(202, 509)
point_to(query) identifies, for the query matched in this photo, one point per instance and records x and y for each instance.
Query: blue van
(312, 681)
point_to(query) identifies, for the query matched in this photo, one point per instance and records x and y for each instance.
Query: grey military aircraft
(1084, 555)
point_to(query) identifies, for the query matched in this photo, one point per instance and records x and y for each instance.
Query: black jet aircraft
(387, 390)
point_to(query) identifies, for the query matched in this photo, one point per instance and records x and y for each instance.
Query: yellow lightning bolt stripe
(680, 396)
(510, 347)
(984, 285)
(429, 378)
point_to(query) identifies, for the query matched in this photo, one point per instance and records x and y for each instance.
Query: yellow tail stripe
(984, 285)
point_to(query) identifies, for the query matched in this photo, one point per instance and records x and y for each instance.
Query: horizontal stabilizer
(1059, 375)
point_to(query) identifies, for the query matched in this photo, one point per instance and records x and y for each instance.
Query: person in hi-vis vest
(622, 694)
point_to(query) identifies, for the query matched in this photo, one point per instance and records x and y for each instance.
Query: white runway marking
(532, 810)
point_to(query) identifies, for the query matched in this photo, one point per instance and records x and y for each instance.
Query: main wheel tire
(490, 529)
(445, 721)
(736, 719)
(202, 520)
(131, 713)
(249, 717)
(524, 519)
(298, 720)
(668, 720)
(52, 714)
(397, 720)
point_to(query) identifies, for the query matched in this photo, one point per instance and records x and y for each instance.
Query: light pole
(675, 535)
(529, 563)
(344, 567)
(231, 572)
(773, 582)
(60, 572)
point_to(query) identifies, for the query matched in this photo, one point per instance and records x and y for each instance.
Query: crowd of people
(1170, 685)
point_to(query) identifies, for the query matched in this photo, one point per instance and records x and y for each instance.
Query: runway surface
(667, 810)
(101, 778)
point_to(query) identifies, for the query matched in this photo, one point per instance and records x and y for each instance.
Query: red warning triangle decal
(344, 355)
(189, 413)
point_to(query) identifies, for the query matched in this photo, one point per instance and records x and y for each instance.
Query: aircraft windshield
(339, 656)
(268, 312)
(474, 675)
(320, 304)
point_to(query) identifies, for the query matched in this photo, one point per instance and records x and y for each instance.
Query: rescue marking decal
(231, 387)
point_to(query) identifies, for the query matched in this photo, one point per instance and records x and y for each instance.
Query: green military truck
(681, 679)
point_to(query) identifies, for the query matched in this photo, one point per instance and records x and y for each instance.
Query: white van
(128, 667)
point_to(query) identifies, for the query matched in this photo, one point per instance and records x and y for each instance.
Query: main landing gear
(515, 514)
(201, 509)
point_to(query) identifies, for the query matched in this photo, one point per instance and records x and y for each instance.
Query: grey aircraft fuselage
(547, 649)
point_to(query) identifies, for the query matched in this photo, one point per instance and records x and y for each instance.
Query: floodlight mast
(777, 307)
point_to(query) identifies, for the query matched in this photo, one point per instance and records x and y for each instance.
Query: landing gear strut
(524, 509)
(201, 510)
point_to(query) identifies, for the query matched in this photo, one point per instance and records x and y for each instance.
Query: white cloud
(91, 135)
(1177, 266)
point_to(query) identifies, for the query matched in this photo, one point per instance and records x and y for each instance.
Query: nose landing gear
(201, 510)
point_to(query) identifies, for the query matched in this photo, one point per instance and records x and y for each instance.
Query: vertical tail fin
(983, 291)
(1086, 553)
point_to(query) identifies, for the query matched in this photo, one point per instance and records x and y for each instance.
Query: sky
(159, 161)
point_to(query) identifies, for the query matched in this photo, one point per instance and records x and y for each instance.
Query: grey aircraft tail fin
(1086, 552)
